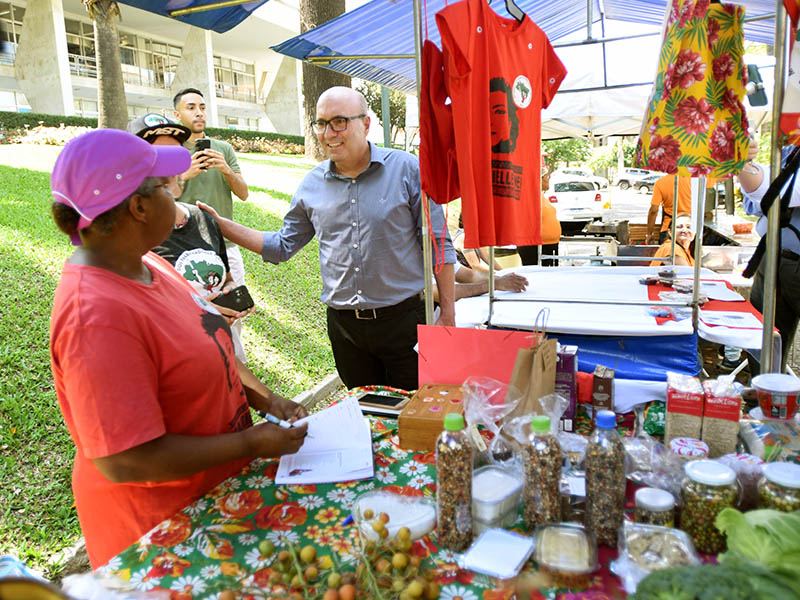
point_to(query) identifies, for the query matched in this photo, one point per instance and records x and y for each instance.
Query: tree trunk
(316, 79)
(112, 106)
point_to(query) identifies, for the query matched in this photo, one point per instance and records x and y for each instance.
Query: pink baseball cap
(97, 170)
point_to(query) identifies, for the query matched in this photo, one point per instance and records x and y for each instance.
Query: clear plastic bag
(102, 586)
(748, 470)
(647, 548)
(650, 464)
(486, 403)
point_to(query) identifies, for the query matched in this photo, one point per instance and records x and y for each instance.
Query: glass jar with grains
(709, 487)
(454, 485)
(780, 487)
(654, 506)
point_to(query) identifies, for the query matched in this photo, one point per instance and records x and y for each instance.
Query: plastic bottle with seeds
(454, 485)
(710, 486)
(780, 487)
(605, 480)
(541, 463)
(654, 506)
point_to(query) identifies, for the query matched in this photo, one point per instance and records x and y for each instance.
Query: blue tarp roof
(216, 19)
(387, 27)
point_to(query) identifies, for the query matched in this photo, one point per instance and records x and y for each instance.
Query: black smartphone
(381, 400)
(237, 299)
(201, 144)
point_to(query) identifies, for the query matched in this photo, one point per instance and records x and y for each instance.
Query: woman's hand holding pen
(271, 441)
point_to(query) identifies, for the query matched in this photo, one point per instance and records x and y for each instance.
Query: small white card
(498, 553)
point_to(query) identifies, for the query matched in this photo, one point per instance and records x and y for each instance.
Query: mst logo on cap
(150, 126)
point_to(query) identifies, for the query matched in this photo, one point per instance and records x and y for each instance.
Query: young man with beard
(214, 173)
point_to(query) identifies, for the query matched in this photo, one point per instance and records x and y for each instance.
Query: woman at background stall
(144, 368)
(684, 243)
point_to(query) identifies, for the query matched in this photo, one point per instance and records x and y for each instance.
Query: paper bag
(534, 375)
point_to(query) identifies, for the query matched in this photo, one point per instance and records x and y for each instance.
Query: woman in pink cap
(144, 368)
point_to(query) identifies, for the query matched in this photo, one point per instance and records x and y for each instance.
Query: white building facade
(48, 65)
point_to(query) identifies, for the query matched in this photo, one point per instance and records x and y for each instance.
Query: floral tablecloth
(213, 544)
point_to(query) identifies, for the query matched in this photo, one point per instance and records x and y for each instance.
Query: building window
(86, 107)
(234, 79)
(135, 110)
(144, 61)
(10, 28)
(80, 48)
(237, 122)
(13, 101)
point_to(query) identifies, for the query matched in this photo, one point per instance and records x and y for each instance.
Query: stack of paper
(338, 448)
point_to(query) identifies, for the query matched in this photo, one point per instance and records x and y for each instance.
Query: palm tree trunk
(112, 106)
(316, 79)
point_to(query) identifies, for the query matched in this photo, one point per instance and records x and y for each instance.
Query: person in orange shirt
(663, 193)
(551, 233)
(684, 243)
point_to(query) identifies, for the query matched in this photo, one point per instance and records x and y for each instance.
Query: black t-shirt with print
(197, 251)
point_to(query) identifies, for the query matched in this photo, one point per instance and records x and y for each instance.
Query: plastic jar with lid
(709, 487)
(654, 506)
(605, 480)
(454, 485)
(780, 487)
(688, 449)
(541, 468)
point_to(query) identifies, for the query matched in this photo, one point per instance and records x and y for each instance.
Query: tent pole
(427, 262)
(672, 221)
(698, 243)
(773, 229)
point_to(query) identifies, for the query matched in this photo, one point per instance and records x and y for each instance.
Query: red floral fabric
(696, 123)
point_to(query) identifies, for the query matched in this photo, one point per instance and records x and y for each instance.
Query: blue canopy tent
(380, 42)
(378, 37)
(216, 15)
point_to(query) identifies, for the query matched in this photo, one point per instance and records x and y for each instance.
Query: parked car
(577, 203)
(646, 185)
(579, 173)
(630, 177)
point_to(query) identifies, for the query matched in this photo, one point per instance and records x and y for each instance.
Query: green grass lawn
(285, 339)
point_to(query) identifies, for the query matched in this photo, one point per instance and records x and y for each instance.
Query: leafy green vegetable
(701, 582)
(768, 538)
(765, 582)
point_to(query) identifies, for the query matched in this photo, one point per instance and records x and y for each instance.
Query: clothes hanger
(514, 10)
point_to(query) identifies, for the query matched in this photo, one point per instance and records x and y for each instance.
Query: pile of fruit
(383, 570)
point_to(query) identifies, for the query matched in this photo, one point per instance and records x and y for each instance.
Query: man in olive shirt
(214, 172)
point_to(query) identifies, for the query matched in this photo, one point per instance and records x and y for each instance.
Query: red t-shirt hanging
(500, 74)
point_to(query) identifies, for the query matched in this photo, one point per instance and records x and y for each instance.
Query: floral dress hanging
(696, 123)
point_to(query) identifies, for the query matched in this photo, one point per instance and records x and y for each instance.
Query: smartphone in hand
(201, 144)
(237, 299)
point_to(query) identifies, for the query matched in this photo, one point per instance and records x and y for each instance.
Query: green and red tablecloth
(213, 544)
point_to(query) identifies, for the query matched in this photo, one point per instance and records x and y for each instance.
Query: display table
(607, 284)
(212, 545)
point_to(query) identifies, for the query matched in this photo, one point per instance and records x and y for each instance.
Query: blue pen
(276, 421)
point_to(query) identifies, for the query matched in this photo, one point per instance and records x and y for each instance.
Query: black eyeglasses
(336, 123)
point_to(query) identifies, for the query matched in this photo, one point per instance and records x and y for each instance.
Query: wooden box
(422, 419)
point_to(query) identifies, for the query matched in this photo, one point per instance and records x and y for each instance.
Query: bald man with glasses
(364, 205)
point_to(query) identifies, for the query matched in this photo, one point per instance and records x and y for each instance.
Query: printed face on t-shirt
(503, 117)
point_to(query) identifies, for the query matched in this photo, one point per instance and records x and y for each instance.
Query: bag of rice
(684, 407)
(722, 410)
